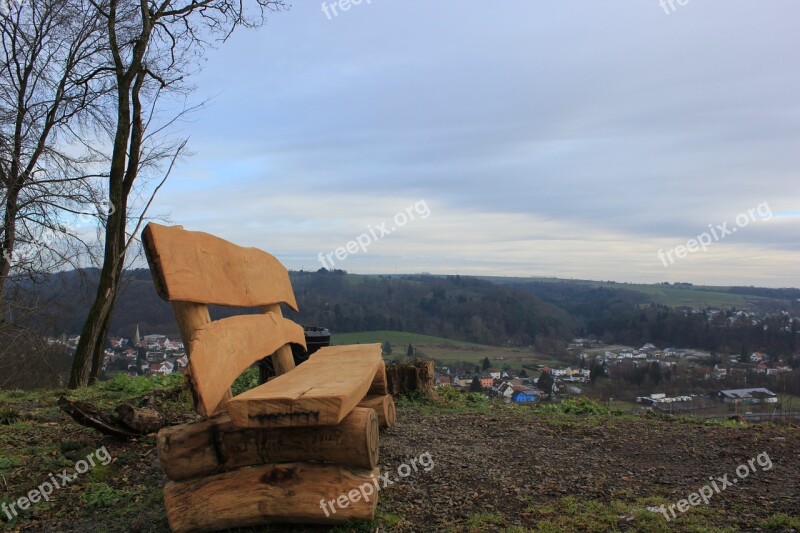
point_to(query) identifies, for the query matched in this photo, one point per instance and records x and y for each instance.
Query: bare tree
(50, 83)
(154, 45)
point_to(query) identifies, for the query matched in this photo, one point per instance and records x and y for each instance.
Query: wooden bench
(273, 453)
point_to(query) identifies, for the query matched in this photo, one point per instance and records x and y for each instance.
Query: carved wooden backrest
(193, 269)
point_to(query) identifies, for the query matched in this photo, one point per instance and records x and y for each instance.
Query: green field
(447, 351)
(698, 296)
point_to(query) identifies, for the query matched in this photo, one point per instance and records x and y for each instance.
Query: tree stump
(403, 379)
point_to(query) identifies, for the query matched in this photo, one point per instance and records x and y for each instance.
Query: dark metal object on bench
(316, 338)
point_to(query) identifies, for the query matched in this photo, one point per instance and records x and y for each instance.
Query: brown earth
(501, 469)
(521, 467)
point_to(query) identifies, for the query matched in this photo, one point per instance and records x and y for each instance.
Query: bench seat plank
(321, 391)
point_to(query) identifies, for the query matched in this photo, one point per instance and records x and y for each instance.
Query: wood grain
(379, 384)
(223, 349)
(384, 407)
(276, 493)
(192, 266)
(321, 391)
(215, 445)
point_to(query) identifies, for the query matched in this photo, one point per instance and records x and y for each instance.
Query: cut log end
(384, 408)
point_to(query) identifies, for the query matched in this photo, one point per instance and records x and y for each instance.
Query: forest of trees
(624, 316)
(545, 315)
(453, 307)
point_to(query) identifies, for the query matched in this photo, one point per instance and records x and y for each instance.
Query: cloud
(563, 139)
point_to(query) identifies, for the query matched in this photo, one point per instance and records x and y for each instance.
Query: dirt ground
(498, 468)
(505, 469)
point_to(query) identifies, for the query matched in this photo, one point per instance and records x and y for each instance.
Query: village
(730, 383)
(717, 376)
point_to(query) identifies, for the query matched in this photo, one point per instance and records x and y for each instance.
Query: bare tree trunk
(7, 250)
(92, 341)
(91, 345)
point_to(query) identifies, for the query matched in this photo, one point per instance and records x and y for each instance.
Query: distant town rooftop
(747, 393)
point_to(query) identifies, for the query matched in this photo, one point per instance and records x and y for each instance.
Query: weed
(101, 495)
(9, 415)
(7, 463)
(480, 521)
(72, 446)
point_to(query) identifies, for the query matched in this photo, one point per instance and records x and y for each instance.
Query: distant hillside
(459, 308)
(671, 294)
(530, 312)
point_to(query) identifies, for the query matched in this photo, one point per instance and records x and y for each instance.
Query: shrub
(575, 406)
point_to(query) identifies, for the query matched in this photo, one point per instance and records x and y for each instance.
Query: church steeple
(136, 338)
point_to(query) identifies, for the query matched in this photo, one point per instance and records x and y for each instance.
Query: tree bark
(8, 245)
(405, 379)
(91, 345)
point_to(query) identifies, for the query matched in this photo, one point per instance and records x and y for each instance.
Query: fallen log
(275, 493)
(91, 416)
(384, 407)
(215, 445)
(140, 419)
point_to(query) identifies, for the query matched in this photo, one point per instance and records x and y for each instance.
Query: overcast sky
(568, 139)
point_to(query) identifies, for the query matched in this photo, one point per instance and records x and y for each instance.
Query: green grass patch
(572, 514)
(121, 388)
(448, 351)
(398, 339)
(450, 401)
(573, 406)
(781, 522)
(482, 521)
(246, 381)
(9, 415)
